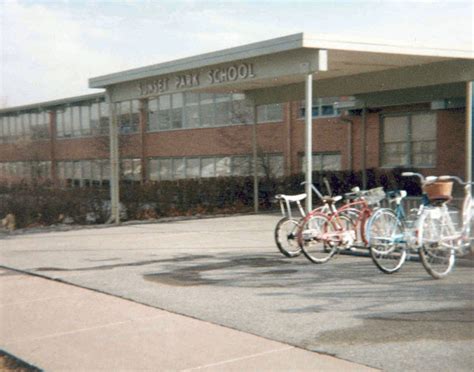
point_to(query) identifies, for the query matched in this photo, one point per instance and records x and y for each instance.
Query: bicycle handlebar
(455, 178)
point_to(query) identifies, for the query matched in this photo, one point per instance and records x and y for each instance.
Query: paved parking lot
(227, 271)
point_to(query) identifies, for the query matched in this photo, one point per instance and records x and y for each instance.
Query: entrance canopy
(295, 67)
(277, 68)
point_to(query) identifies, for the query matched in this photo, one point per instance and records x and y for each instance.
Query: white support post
(364, 148)
(255, 158)
(469, 131)
(309, 140)
(114, 163)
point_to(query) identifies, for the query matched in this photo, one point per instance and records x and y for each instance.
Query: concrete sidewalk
(55, 326)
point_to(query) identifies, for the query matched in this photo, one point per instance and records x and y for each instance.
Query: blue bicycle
(387, 236)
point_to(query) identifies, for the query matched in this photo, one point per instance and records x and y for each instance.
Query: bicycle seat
(331, 199)
(291, 198)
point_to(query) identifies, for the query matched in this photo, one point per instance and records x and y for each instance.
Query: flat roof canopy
(274, 70)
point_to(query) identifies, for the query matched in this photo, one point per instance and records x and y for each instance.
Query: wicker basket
(438, 189)
(374, 196)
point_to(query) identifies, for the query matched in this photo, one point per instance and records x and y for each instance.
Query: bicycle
(440, 238)
(387, 235)
(285, 230)
(324, 231)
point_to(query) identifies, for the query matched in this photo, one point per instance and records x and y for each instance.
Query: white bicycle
(440, 235)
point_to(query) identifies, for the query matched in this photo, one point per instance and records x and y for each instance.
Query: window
(59, 123)
(193, 167)
(241, 166)
(223, 108)
(76, 121)
(223, 167)
(154, 169)
(124, 119)
(94, 119)
(104, 118)
(178, 168)
(177, 111)
(207, 109)
(409, 140)
(322, 162)
(270, 113)
(67, 117)
(208, 168)
(322, 107)
(192, 110)
(86, 119)
(164, 112)
(269, 165)
(152, 117)
(165, 169)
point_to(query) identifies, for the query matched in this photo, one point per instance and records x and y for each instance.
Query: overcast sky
(49, 49)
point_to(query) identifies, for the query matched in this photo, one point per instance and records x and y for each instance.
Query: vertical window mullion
(409, 145)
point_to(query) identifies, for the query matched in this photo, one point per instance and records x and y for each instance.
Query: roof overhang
(274, 70)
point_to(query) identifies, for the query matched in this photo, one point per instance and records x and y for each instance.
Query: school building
(278, 107)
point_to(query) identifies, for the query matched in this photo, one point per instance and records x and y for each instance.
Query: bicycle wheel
(436, 250)
(285, 237)
(314, 238)
(386, 238)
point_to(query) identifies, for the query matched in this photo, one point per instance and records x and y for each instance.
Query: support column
(469, 132)
(309, 140)
(364, 148)
(52, 144)
(143, 120)
(254, 155)
(114, 163)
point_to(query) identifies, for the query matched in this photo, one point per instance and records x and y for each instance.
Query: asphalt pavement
(227, 271)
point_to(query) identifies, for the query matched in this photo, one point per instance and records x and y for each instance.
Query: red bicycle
(328, 229)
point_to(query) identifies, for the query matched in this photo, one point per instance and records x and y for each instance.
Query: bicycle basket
(438, 189)
(374, 196)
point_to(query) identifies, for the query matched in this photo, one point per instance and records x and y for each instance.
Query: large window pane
(208, 167)
(59, 123)
(165, 169)
(423, 127)
(164, 113)
(135, 120)
(152, 115)
(178, 168)
(395, 129)
(67, 117)
(123, 112)
(207, 109)
(177, 111)
(241, 166)
(85, 120)
(104, 118)
(94, 122)
(137, 169)
(76, 121)
(153, 170)
(127, 169)
(192, 110)
(223, 167)
(223, 109)
(192, 168)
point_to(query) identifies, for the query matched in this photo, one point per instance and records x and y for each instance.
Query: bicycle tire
(437, 259)
(386, 238)
(286, 237)
(311, 238)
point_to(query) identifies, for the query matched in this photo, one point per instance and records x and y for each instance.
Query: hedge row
(45, 205)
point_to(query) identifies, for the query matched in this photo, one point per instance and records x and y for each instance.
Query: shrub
(45, 205)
